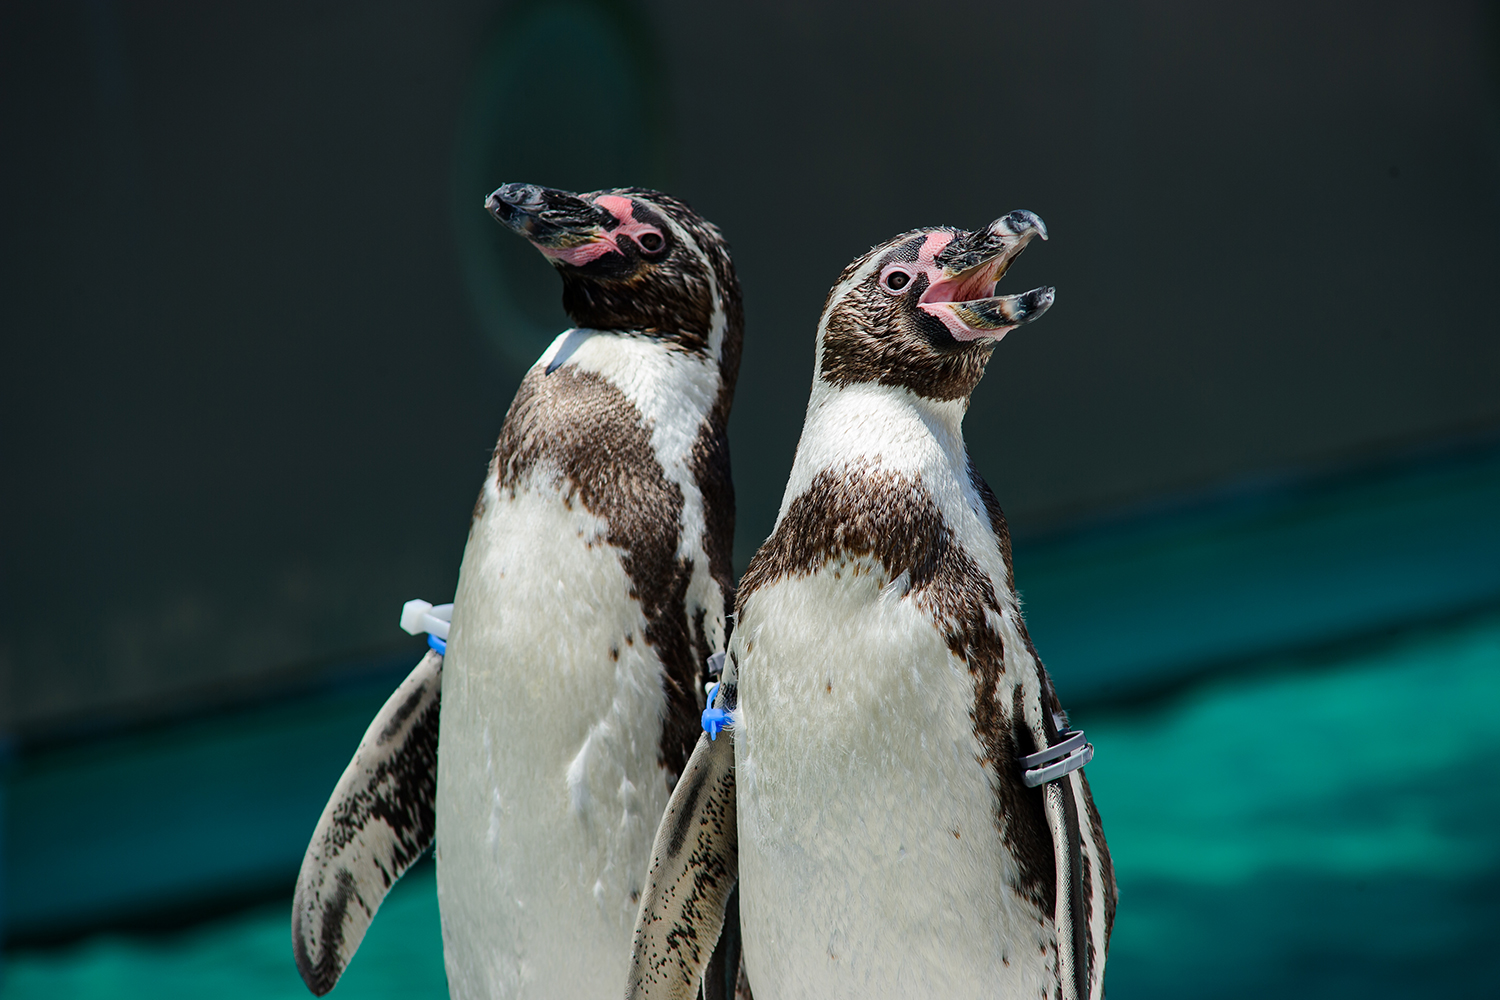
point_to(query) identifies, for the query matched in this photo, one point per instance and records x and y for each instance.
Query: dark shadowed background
(259, 337)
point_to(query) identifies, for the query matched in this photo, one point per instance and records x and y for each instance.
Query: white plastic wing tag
(419, 616)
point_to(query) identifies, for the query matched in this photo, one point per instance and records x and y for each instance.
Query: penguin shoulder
(672, 390)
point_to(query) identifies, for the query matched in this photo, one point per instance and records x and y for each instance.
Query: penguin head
(632, 259)
(920, 311)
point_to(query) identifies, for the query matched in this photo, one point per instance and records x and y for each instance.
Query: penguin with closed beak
(898, 795)
(540, 747)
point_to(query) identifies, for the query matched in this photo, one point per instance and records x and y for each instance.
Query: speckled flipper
(694, 868)
(1082, 889)
(378, 821)
(1062, 820)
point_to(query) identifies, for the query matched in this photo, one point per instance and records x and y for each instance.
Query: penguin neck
(721, 347)
(868, 424)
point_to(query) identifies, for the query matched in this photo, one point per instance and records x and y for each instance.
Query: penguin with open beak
(898, 795)
(539, 749)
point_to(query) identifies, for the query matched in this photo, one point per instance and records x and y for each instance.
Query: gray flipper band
(1056, 750)
(1074, 752)
(379, 820)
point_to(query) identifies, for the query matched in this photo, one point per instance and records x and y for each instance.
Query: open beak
(563, 226)
(964, 300)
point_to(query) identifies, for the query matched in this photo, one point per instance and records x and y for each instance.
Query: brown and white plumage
(884, 688)
(595, 583)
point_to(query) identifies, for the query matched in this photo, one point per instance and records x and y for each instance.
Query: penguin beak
(964, 299)
(564, 227)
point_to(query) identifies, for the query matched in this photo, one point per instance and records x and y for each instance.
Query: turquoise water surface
(1322, 824)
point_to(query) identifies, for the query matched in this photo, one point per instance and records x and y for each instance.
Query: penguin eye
(651, 242)
(895, 280)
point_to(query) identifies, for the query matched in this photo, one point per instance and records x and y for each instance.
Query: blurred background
(259, 337)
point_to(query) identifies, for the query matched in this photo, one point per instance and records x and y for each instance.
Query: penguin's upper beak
(964, 298)
(564, 227)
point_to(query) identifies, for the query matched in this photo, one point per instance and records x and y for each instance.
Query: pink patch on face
(624, 210)
(932, 246)
(579, 255)
(620, 208)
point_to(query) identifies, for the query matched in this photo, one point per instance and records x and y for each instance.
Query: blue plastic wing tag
(716, 720)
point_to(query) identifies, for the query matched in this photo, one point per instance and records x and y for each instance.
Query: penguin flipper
(694, 868)
(379, 820)
(725, 976)
(1085, 885)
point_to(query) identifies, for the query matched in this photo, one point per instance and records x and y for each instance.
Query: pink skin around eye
(885, 275)
(624, 210)
(931, 247)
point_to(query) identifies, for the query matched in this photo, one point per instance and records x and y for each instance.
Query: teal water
(1315, 825)
(246, 955)
(1324, 826)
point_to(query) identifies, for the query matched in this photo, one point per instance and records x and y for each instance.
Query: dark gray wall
(247, 408)
(1275, 227)
(252, 373)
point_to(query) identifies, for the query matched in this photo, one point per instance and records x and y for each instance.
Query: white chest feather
(549, 789)
(549, 782)
(871, 861)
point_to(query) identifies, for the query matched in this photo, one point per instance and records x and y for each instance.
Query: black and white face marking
(920, 311)
(631, 259)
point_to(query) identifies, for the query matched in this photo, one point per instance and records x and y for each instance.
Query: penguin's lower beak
(964, 300)
(564, 227)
